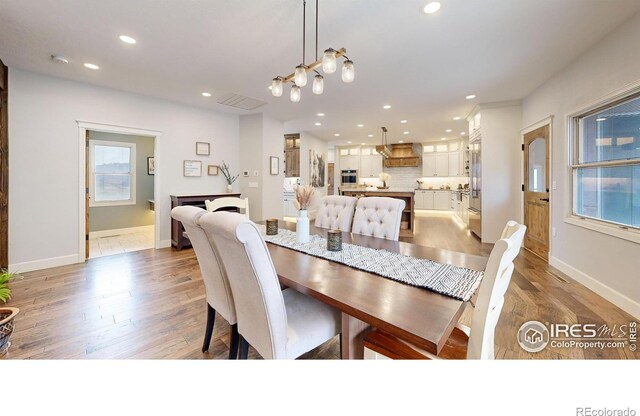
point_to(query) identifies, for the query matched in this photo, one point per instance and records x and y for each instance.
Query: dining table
(366, 300)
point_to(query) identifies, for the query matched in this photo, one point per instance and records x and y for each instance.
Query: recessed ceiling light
(127, 39)
(400, 141)
(59, 59)
(448, 131)
(348, 142)
(456, 118)
(403, 121)
(91, 66)
(386, 107)
(337, 134)
(406, 132)
(362, 144)
(444, 138)
(318, 124)
(369, 135)
(206, 94)
(470, 97)
(320, 114)
(432, 7)
(601, 119)
(462, 133)
(360, 125)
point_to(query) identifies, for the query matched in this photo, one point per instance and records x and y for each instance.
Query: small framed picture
(192, 168)
(203, 149)
(151, 166)
(275, 165)
(213, 170)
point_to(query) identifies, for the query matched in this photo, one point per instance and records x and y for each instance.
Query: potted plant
(7, 314)
(228, 177)
(304, 197)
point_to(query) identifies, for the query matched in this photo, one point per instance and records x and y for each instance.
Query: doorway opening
(120, 170)
(119, 182)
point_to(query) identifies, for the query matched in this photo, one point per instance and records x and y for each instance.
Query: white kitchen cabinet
(435, 164)
(441, 200)
(370, 166)
(349, 162)
(418, 200)
(454, 164)
(452, 201)
(429, 199)
(465, 208)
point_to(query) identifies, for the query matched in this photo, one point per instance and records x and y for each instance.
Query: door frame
(528, 129)
(83, 126)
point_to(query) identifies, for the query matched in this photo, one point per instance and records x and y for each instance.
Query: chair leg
(244, 348)
(233, 349)
(211, 318)
(341, 345)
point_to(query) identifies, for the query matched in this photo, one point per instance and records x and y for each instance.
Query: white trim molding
(121, 231)
(40, 264)
(617, 231)
(625, 303)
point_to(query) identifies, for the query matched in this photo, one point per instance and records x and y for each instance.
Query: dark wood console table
(178, 239)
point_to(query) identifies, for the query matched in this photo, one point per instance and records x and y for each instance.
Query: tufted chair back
(378, 217)
(336, 212)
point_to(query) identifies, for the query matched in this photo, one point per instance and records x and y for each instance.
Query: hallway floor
(118, 244)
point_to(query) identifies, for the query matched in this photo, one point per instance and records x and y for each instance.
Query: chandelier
(328, 63)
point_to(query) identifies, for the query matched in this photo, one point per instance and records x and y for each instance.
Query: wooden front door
(536, 191)
(4, 166)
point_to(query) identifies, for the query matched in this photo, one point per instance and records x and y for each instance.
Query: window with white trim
(606, 163)
(112, 174)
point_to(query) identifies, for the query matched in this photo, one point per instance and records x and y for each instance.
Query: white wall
(273, 145)
(250, 160)
(501, 186)
(43, 138)
(608, 265)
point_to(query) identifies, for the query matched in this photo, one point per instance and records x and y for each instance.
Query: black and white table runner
(446, 279)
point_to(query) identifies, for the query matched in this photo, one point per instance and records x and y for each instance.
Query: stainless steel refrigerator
(475, 187)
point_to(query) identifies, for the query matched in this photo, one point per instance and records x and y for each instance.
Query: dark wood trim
(4, 165)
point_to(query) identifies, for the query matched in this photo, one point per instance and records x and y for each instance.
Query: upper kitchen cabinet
(292, 155)
(370, 163)
(350, 158)
(444, 159)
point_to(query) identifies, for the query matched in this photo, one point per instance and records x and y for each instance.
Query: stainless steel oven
(349, 177)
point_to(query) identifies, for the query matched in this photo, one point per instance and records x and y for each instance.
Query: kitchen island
(406, 194)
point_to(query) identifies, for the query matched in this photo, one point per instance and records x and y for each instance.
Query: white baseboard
(623, 302)
(120, 231)
(164, 244)
(30, 266)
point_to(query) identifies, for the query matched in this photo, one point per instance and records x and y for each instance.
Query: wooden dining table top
(419, 316)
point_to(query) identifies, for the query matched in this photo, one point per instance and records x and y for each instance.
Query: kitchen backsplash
(407, 177)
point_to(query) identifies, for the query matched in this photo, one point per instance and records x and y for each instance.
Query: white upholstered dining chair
(279, 324)
(476, 342)
(230, 202)
(217, 289)
(336, 212)
(378, 217)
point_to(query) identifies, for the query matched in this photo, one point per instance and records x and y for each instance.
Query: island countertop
(361, 189)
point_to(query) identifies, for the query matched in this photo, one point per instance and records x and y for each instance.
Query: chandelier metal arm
(314, 65)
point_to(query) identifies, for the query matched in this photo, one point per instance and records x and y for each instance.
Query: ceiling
(422, 65)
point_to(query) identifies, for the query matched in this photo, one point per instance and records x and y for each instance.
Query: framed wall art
(151, 166)
(192, 168)
(274, 165)
(213, 170)
(203, 149)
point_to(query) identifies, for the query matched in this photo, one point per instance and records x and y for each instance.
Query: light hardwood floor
(150, 304)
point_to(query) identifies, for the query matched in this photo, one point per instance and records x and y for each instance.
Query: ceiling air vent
(239, 101)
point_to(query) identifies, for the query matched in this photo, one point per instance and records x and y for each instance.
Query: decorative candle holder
(334, 240)
(272, 226)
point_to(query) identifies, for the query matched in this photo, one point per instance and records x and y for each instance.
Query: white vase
(229, 188)
(302, 227)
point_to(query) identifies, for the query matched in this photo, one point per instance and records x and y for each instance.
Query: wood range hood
(398, 155)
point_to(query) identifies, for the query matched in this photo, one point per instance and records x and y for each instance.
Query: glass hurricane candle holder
(272, 226)
(334, 240)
